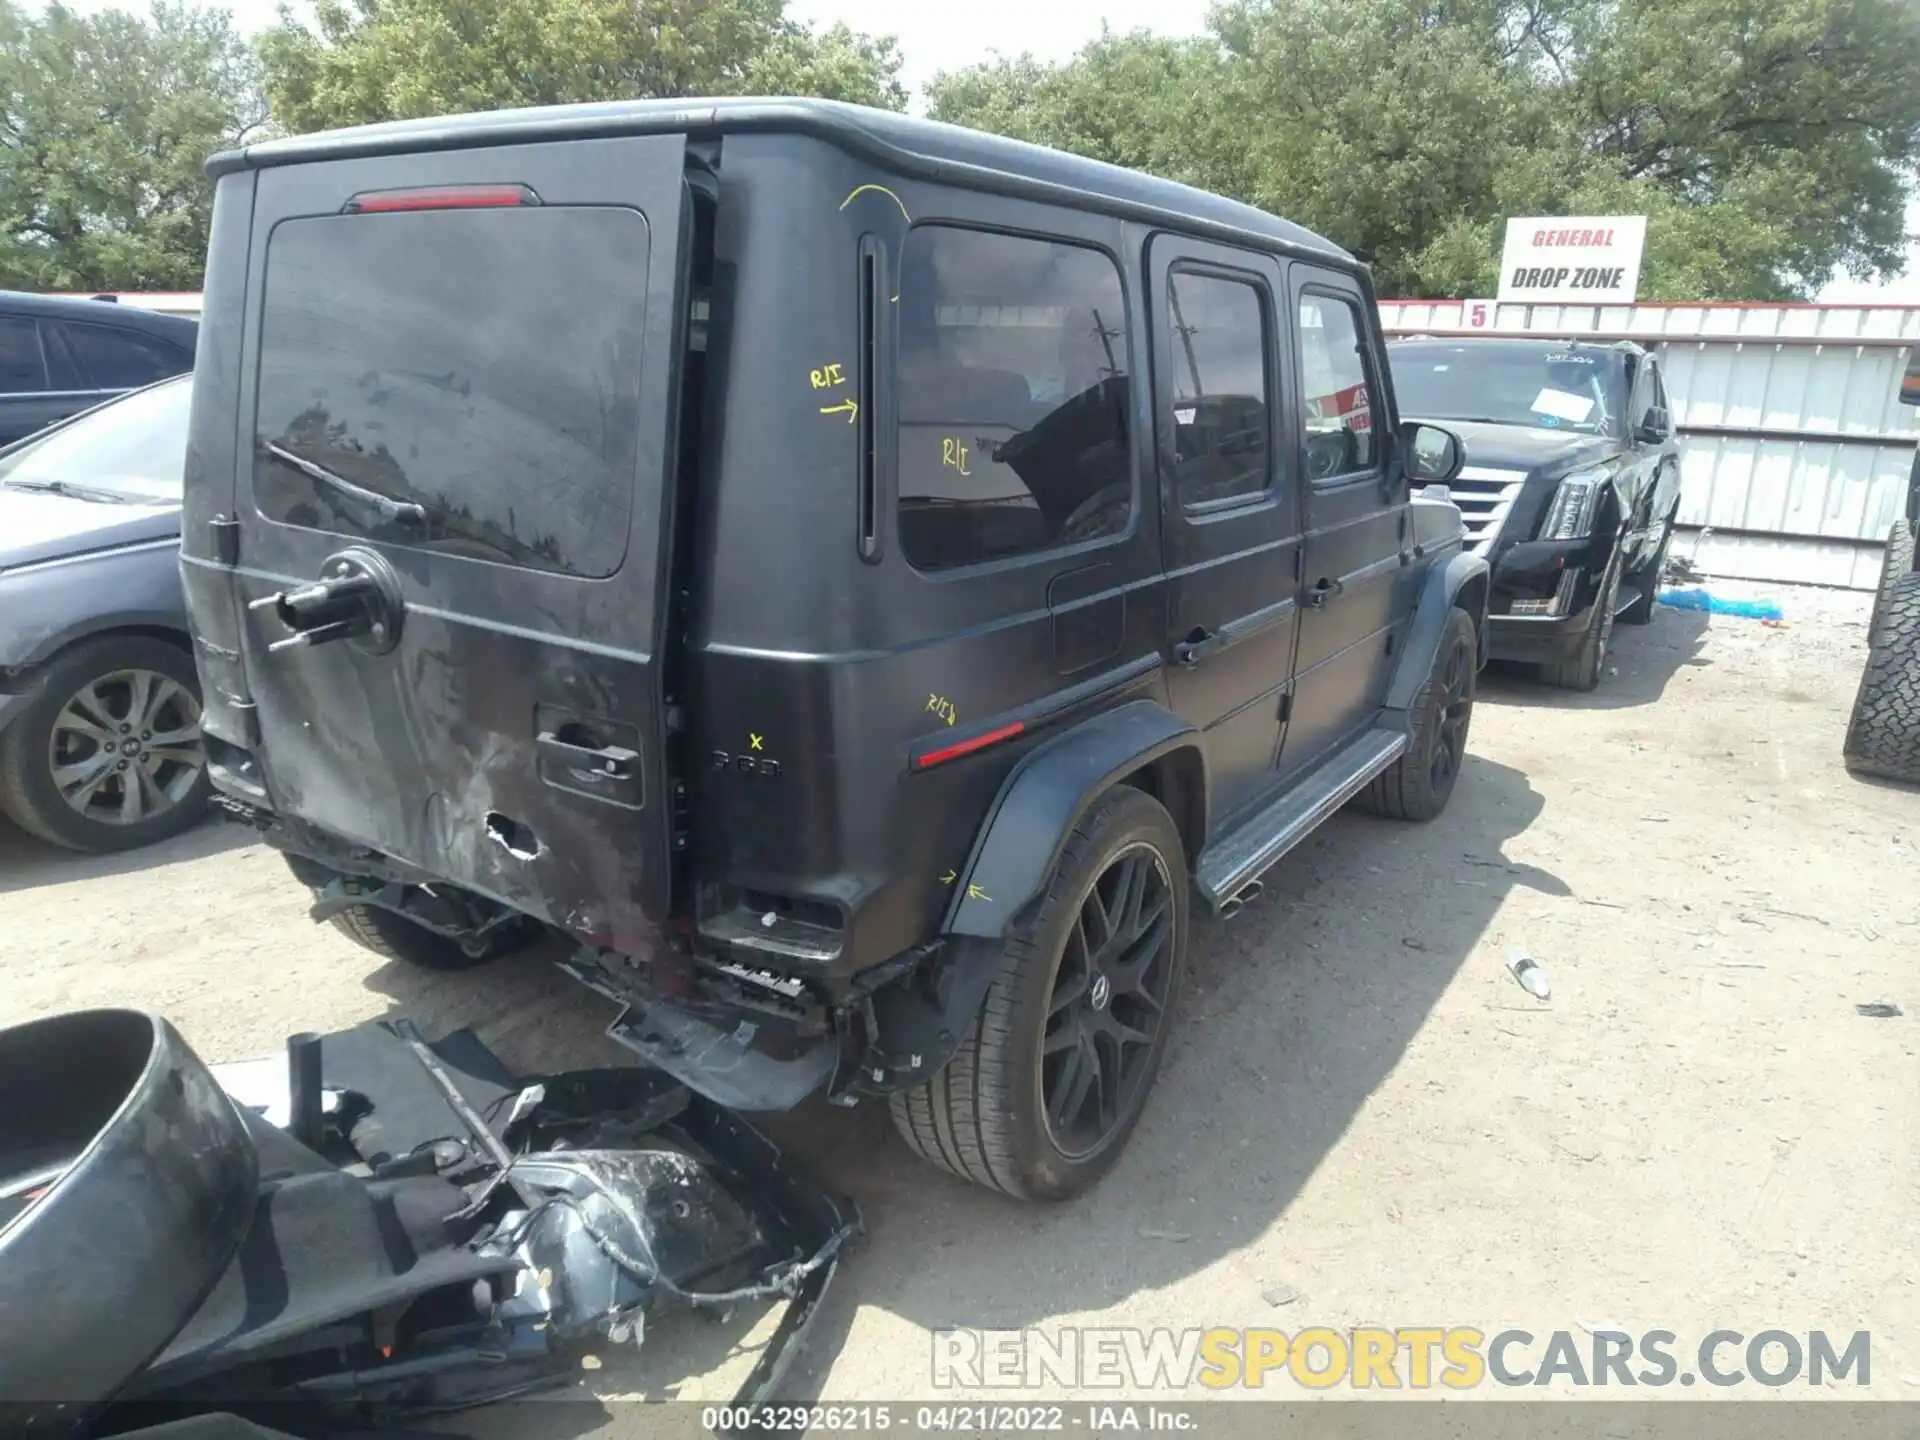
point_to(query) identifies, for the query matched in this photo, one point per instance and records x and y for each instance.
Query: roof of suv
(177, 328)
(900, 142)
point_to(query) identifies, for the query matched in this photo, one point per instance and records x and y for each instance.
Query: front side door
(1355, 524)
(1663, 467)
(1230, 498)
(454, 505)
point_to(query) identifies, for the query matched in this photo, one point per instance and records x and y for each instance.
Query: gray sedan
(99, 704)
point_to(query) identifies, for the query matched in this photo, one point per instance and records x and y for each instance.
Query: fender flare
(1443, 587)
(917, 1023)
(1041, 802)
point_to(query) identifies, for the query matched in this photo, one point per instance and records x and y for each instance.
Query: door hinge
(1286, 706)
(226, 539)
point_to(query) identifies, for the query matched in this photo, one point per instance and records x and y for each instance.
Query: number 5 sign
(1476, 314)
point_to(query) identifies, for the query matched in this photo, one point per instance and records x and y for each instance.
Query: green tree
(367, 60)
(1768, 141)
(108, 119)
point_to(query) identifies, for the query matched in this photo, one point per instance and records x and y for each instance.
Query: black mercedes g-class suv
(1570, 485)
(863, 581)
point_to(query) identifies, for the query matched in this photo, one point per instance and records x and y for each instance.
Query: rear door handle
(1323, 591)
(1196, 647)
(613, 762)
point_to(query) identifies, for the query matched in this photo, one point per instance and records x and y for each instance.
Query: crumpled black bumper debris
(373, 1227)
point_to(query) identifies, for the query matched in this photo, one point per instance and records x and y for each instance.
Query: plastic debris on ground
(1714, 604)
(1531, 974)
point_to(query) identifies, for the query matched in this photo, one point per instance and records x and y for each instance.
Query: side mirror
(1655, 428)
(1429, 454)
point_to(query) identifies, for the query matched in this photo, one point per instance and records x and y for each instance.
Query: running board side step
(1234, 861)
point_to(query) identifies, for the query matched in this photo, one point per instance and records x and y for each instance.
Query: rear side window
(481, 365)
(22, 369)
(116, 359)
(1339, 403)
(1218, 333)
(1013, 397)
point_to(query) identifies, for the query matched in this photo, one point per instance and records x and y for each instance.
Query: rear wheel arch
(1048, 792)
(1178, 780)
(66, 642)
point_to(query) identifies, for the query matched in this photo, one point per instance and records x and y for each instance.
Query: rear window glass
(117, 359)
(1013, 397)
(461, 380)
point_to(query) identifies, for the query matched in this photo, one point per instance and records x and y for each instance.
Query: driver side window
(1338, 410)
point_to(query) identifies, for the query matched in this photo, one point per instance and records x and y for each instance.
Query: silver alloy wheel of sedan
(125, 748)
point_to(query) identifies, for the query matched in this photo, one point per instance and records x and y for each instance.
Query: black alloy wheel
(1109, 999)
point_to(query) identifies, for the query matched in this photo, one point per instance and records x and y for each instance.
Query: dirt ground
(1696, 1130)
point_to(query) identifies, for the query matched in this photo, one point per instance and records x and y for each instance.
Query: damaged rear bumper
(428, 1232)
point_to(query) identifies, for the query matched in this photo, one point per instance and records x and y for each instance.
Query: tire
(1883, 733)
(1583, 671)
(986, 1115)
(111, 691)
(1646, 584)
(1418, 784)
(1899, 563)
(395, 937)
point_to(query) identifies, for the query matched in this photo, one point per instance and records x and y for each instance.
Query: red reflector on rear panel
(968, 747)
(442, 197)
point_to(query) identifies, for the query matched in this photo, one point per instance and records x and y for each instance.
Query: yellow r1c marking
(953, 455)
(826, 377)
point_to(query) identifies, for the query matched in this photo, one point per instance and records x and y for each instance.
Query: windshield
(1550, 389)
(133, 448)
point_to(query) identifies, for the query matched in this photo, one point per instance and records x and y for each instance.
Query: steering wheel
(1330, 453)
(1079, 525)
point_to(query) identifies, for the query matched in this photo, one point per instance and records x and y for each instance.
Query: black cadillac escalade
(1569, 488)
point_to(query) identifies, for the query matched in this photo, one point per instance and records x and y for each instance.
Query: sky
(937, 35)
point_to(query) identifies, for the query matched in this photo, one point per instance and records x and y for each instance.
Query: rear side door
(1231, 507)
(454, 499)
(1356, 525)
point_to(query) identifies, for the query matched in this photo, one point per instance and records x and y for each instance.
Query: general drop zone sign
(1593, 259)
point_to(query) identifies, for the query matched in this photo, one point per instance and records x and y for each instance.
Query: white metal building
(1795, 448)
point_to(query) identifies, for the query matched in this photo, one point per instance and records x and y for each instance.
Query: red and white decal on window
(1352, 407)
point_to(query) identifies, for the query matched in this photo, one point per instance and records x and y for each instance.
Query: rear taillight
(441, 197)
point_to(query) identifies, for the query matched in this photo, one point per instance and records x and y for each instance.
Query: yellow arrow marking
(851, 407)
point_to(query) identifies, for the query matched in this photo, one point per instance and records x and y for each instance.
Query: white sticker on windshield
(1183, 415)
(1563, 406)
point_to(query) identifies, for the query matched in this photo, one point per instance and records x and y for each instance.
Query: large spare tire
(1883, 735)
(127, 1183)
